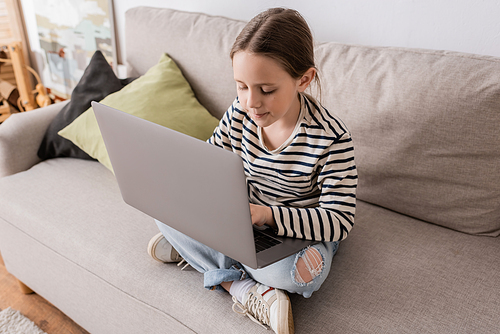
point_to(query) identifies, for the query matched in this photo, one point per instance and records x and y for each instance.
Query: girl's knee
(309, 265)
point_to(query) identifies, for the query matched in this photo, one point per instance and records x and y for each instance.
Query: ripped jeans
(218, 268)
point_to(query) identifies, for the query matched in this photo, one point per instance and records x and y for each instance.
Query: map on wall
(69, 32)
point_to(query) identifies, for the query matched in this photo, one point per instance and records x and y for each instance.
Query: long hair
(281, 34)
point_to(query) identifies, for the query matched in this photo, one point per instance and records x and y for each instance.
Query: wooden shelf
(5, 111)
(12, 30)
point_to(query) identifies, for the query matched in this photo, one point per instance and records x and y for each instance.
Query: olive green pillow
(162, 96)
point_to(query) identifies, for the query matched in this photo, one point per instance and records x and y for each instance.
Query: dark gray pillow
(97, 82)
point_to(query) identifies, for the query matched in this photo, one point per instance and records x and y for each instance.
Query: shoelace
(255, 307)
(180, 264)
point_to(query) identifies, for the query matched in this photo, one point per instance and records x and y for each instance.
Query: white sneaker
(161, 250)
(267, 306)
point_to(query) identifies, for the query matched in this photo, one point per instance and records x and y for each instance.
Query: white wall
(471, 26)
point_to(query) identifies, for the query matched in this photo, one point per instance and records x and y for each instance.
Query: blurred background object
(20, 86)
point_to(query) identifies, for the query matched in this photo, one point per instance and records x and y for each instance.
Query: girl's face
(266, 91)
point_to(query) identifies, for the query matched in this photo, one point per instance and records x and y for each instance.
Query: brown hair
(281, 34)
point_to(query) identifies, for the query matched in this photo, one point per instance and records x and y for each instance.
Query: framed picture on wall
(64, 34)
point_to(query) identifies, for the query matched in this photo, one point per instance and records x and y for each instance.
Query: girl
(300, 170)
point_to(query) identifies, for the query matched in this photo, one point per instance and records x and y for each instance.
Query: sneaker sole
(286, 326)
(152, 245)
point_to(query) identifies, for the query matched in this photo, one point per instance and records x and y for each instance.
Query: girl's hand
(262, 215)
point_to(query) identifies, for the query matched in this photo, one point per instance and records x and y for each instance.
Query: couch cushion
(162, 96)
(193, 40)
(425, 130)
(393, 274)
(97, 82)
(75, 209)
(396, 274)
(86, 298)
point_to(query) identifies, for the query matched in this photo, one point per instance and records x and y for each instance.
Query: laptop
(190, 185)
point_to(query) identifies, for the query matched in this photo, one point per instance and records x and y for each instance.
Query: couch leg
(24, 288)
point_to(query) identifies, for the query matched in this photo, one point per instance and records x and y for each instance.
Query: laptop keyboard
(264, 241)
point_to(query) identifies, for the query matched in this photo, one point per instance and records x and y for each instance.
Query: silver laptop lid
(204, 197)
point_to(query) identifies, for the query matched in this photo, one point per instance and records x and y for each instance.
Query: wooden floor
(34, 307)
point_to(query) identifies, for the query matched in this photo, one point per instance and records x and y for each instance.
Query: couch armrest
(20, 138)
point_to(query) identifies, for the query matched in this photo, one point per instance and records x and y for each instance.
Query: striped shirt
(309, 182)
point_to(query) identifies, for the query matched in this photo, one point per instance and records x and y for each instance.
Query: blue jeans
(217, 267)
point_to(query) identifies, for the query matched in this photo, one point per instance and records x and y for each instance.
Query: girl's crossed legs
(301, 273)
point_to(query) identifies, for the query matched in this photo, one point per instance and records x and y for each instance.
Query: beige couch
(423, 256)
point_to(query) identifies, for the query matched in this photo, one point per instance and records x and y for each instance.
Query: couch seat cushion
(392, 274)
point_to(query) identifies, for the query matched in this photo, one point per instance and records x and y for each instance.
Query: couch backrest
(198, 43)
(425, 124)
(426, 130)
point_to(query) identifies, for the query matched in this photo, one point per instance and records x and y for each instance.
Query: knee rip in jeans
(309, 265)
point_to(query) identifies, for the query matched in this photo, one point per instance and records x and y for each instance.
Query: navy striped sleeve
(333, 218)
